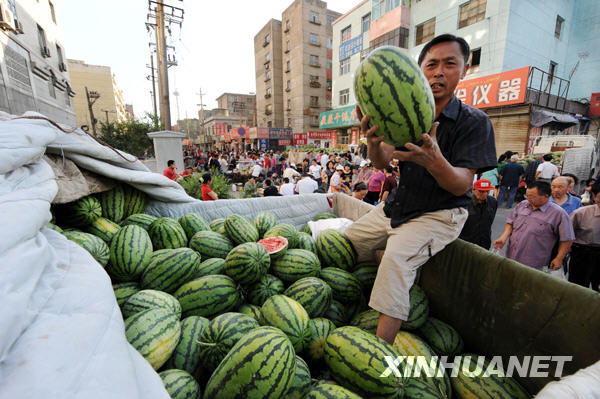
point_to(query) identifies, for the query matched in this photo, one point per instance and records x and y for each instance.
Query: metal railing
(547, 90)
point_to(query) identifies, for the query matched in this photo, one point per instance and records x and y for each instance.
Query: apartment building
(33, 70)
(242, 105)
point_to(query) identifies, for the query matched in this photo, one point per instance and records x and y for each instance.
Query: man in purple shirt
(534, 227)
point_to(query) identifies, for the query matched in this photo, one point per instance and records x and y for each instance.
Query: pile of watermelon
(234, 308)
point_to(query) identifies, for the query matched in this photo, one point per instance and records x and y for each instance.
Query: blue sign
(276, 133)
(241, 131)
(263, 144)
(351, 47)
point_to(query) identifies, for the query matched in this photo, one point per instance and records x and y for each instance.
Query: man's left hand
(423, 155)
(556, 263)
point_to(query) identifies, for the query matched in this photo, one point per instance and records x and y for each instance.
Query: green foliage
(221, 185)
(192, 186)
(250, 191)
(130, 136)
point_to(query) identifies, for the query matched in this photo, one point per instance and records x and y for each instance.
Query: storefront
(259, 138)
(280, 138)
(343, 126)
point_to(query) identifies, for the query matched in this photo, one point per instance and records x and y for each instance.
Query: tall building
(33, 72)
(109, 107)
(293, 67)
(241, 105)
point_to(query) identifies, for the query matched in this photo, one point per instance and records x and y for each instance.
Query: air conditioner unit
(7, 20)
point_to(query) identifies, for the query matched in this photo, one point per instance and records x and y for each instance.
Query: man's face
(559, 187)
(172, 166)
(480, 195)
(535, 198)
(362, 194)
(444, 66)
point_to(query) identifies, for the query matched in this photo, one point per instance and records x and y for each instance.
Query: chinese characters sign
(314, 135)
(220, 129)
(505, 88)
(283, 143)
(351, 47)
(338, 117)
(300, 138)
(263, 144)
(280, 133)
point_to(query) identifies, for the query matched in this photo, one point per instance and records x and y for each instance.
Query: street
(498, 225)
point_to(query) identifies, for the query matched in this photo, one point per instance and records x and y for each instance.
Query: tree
(130, 136)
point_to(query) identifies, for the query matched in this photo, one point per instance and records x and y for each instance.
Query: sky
(214, 47)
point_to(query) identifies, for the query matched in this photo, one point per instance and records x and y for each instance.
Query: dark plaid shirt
(466, 139)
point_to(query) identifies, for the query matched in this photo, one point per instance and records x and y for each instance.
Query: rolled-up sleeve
(565, 228)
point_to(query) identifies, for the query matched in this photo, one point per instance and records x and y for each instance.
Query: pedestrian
(171, 171)
(586, 193)
(291, 173)
(207, 192)
(534, 226)
(482, 211)
(223, 164)
(428, 209)
(389, 183)
(584, 267)
(360, 191)
(531, 170)
(330, 169)
(286, 188)
(546, 171)
(335, 183)
(492, 176)
(375, 184)
(347, 175)
(315, 170)
(256, 171)
(509, 181)
(561, 195)
(270, 189)
(325, 160)
(188, 172)
(307, 185)
(305, 165)
(573, 181)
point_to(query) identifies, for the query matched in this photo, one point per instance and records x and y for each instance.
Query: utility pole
(176, 94)
(92, 97)
(153, 84)
(106, 111)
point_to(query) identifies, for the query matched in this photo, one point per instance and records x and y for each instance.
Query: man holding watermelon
(427, 210)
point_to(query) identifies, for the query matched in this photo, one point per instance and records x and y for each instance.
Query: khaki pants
(407, 247)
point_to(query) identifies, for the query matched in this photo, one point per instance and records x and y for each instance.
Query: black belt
(589, 248)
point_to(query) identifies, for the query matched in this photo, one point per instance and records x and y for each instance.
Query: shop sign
(333, 139)
(283, 143)
(505, 88)
(300, 138)
(326, 135)
(263, 144)
(338, 117)
(595, 105)
(280, 133)
(354, 136)
(220, 129)
(351, 47)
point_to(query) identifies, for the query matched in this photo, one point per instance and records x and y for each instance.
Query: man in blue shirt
(561, 196)
(510, 176)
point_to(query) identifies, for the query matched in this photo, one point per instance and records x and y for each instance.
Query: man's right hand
(368, 132)
(499, 243)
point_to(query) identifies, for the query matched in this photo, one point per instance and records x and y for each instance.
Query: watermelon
(275, 246)
(218, 225)
(247, 263)
(354, 308)
(328, 390)
(113, 204)
(210, 266)
(240, 230)
(264, 221)
(94, 245)
(284, 230)
(306, 229)
(335, 250)
(422, 388)
(296, 264)
(261, 365)
(301, 382)
(252, 311)
(130, 252)
(357, 360)
(135, 201)
(443, 338)
(54, 227)
(366, 273)
(305, 241)
(103, 228)
(208, 296)
(186, 355)
(312, 293)
(367, 321)
(391, 88)
(346, 288)
(124, 291)
(170, 268)
(221, 334)
(263, 289)
(325, 215)
(210, 244)
(336, 313)
(167, 233)
(290, 317)
(319, 328)
(419, 309)
(150, 299)
(180, 384)
(81, 212)
(139, 219)
(193, 223)
(154, 333)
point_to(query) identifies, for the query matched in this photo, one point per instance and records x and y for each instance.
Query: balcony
(314, 104)
(267, 79)
(316, 44)
(314, 84)
(268, 95)
(287, 50)
(267, 63)
(266, 43)
(268, 112)
(314, 21)
(287, 70)
(288, 89)
(315, 64)
(288, 109)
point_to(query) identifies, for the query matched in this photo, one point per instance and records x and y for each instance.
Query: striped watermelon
(218, 225)
(357, 360)
(139, 219)
(208, 296)
(150, 299)
(391, 88)
(94, 245)
(264, 221)
(186, 355)
(289, 316)
(325, 215)
(335, 250)
(306, 229)
(247, 263)
(180, 384)
(221, 334)
(103, 228)
(240, 230)
(275, 246)
(355, 308)
(296, 264)
(210, 266)
(327, 390)
(443, 338)
(210, 244)
(193, 223)
(366, 273)
(54, 227)
(367, 321)
(301, 382)
(81, 212)
(124, 291)
(263, 289)
(167, 233)
(336, 313)
(252, 311)
(130, 252)
(422, 388)
(305, 241)
(284, 230)
(419, 309)
(170, 268)
(319, 328)
(154, 333)
(260, 366)
(346, 288)
(312, 293)
(113, 204)
(135, 200)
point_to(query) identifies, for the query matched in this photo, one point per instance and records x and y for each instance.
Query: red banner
(333, 135)
(505, 88)
(595, 105)
(227, 137)
(354, 136)
(300, 138)
(316, 135)
(220, 129)
(285, 142)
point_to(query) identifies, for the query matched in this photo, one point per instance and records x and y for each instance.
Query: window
(346, 33)
(471, 12)
(289, 122)
(269, 123)
(51, 88)
(366, 22)
(344, 96)
(425, 32)
(267, 57)
(52, 11)
(330, 19)
(288, 85)
(61, 60)
(287, 66)
(269, 91)
(558, 27)
(314, 17)
(551, 71)
(289, 104)
(287, 25)
(287, 46)
(345, 66)
(314, 39)
(269, 109)
(42, 41)
(314, 60)
(398, 37)
(329, 42)
(329, 63)
(381, 7)
(475, 60)
(268, 39)
(268, 77)
(314, 101)
(314, 120)
(313, 81)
